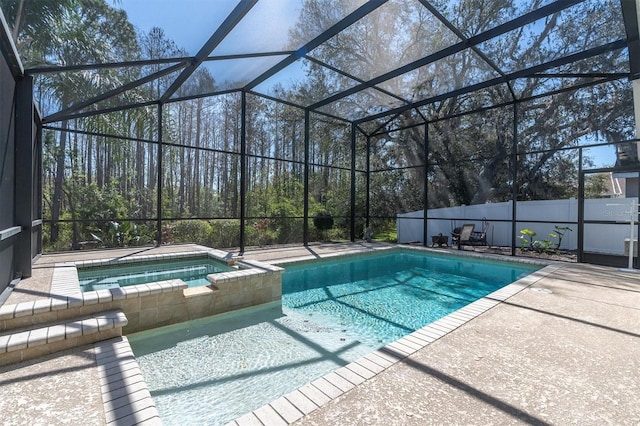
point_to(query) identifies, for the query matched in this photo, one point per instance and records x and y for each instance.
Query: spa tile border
(219, 255)
(65, 286)
(443, 252)
(59, 302)
(249, 268)
(356, 252)
(308, 398)
(125, 395)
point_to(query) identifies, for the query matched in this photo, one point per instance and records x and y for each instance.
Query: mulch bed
(560, 255)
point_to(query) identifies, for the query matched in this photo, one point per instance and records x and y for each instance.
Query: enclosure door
(608, 217)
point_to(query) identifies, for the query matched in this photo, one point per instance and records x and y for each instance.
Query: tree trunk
(56, 203)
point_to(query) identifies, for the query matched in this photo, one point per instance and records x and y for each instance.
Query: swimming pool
(333, 312)
(389, 295)
(192, 271)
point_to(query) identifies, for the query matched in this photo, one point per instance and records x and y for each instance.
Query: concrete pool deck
(564, 350)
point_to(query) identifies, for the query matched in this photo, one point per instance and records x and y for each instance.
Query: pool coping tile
(120, 379)
(301, 402)
(338, 381)
(286, 410)
(269, 416)
(400, 348)
(370, 365)
(314, 394)
(4, 343)
(249, 419)
(350, 375)
(327, 388)
(413, 338)
(409, 343)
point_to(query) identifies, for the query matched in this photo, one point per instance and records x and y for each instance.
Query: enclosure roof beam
(247, 55)
(9, 47)
(383, 125)
(456, 48)
(143, 62)
(382, 131)
(100, 134)
(615, 75)
(465, 39)
(92, 113)
(359, 80)
(505, 104)
(243, 7)
(188, 98)
(295, 105)
(274, 99)
(630, 17)
(202, 95)
(83, 67)
(144, 104)
(525, 73)
(60, 115)
(350, 19)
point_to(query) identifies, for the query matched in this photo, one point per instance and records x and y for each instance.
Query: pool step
(29, 343)
(64, 307)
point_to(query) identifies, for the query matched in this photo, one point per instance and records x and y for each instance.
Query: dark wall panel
(7, 141)
(7, 170)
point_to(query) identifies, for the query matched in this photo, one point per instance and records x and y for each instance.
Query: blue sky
(189, 23)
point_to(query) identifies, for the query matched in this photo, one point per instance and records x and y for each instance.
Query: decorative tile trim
(125, 394)
(79, 299)
(65, 280)
(218, 255)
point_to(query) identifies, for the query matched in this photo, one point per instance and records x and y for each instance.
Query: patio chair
(480, 237)
(464, 235)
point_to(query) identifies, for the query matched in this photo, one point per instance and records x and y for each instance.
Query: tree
(32, 21)
(596, 186)
(95, 33)
(472, 154)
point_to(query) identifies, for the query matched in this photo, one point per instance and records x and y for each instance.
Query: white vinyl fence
(599, 238)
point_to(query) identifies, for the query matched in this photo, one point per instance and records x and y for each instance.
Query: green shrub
(225, 233)
(323, 221)
(527, 238)
(190, 231)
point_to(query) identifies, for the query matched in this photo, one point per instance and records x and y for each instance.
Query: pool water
(384, 297)
(213, 370)
(192, 271)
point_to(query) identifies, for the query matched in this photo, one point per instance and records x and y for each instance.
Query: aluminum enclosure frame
(190, 63)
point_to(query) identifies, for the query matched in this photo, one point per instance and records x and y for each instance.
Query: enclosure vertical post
(160, 179)
(243, 169)
(353, 182)
(514, 177)
(38, 185)
(580, 208)
(368, 182)
(305, 223)
(425, 202)
(24, 184)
